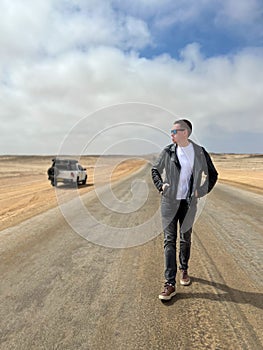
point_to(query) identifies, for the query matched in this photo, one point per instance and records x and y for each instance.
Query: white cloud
(242, 16)
(59, 64)
(51, 96)
(242, 11)
(137, 33)
(22, 28)
(35, 29)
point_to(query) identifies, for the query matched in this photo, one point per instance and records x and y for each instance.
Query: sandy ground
(26, 191)
(60, 291)
(242, 170)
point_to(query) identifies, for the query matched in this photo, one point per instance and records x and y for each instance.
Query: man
(185, 164)
(52, 172)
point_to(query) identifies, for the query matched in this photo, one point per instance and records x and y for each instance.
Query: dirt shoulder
(26, 191)
(241, 170)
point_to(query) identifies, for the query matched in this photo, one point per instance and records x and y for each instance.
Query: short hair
(185, 123)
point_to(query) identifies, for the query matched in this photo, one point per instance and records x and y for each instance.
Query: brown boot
(185, 279)
(168, 292)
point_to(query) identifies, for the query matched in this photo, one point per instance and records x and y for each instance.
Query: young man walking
(185, 164)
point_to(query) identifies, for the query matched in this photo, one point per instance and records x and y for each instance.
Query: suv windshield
(65, 166)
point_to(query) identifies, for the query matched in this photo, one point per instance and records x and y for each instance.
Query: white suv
(67, 171)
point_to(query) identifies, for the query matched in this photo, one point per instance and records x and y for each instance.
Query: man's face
(180, 135)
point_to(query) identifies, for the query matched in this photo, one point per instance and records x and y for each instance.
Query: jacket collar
(173, 147)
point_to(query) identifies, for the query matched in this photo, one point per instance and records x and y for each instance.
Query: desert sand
(242, 170)
(26, 191)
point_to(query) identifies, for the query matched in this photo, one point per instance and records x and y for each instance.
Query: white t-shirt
(186, 159)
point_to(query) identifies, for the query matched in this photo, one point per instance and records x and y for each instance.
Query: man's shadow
(228, 294)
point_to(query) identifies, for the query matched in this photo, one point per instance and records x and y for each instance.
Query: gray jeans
(172, 213)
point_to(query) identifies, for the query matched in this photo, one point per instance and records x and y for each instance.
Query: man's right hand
(164, 186)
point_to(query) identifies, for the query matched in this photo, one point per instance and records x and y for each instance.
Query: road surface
(60, 291)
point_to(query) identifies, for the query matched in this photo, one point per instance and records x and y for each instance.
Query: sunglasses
(174, 131)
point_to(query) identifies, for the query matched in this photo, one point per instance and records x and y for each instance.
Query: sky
(112, 76)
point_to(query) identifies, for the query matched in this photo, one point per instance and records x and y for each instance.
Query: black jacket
(169, 162)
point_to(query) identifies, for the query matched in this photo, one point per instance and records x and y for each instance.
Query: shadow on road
(230, 294)
(74, 186)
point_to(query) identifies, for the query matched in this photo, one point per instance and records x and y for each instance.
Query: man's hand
(164, 186)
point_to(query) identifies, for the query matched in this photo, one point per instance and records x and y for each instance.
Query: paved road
(60, 291)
